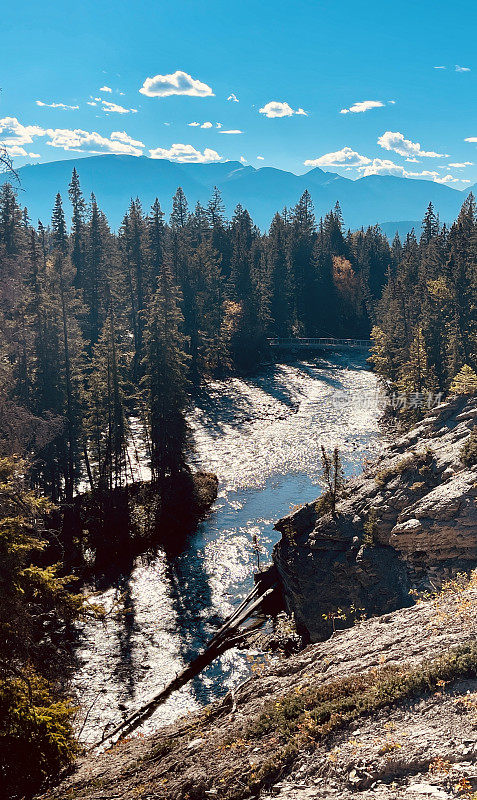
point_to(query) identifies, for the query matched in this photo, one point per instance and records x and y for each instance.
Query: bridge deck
(324, 343)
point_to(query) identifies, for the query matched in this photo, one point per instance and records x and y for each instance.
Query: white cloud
(81, 141)
(13, 132)
(204, 125)
(122, 136)
(218, 124)
(114, 108)
(380, 166)
(260, 158)
(105, 89)
(178, 82)
(243, 160)
(340, 158)
(15, 150)
(233, 98)
(457, 68)
(404, 147)
(91, 103)
(462, 164)
(232, 131)
(447, 179)
(385, 167)
(56, 105)
(469, 139)
(364, 105)
(277, 109)
(185, 153)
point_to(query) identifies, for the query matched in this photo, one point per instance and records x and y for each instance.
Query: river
(262, 437)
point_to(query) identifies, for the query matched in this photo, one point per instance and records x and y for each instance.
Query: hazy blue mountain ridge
(397, 203)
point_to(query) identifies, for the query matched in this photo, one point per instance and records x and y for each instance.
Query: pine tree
(78, 238)
(134, 245)
(179, 210)
(301, 243)
(465, 382)
(279, 278)
(106, 421)
(71, 347)
(94, 279)
(156, 242)
(247, 341)
(417, 376)
(333, 475)
(430, 226)
(165, 383)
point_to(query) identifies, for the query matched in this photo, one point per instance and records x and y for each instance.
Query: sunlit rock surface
(410, 521)
(421, 747)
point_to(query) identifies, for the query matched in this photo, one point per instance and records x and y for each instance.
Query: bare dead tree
(6, 163)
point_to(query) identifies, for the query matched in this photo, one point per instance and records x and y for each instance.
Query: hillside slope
(387, 707)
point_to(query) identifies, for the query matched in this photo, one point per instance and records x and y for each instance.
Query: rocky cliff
(408, 523)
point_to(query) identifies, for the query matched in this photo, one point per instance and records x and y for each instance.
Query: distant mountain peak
(114, 179)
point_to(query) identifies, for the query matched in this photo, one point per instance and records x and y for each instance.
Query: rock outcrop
(409, 522)
(277, 734)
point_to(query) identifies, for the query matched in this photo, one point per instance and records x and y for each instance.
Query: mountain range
(393, 202)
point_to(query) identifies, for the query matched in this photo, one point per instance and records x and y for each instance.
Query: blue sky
(355, 88)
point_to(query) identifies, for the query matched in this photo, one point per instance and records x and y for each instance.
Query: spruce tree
(165, 384)
(78, 238)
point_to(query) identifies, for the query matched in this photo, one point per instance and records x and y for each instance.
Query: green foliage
(165, 382)
(465, 382)
(370, 528)
(323, 504)
(334, 477)
(35, 601)
(425, 336)
(468, 453)
(36, 735)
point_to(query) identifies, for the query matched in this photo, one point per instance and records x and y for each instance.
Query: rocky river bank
(386, 707)
(408, 523)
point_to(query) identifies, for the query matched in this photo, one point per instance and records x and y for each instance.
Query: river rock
(419, 503)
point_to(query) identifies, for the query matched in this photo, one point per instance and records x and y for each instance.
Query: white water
(262, 437)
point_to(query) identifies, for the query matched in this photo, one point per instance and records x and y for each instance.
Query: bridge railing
(319, 342)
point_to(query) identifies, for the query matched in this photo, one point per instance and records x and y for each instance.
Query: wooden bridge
(329, 343)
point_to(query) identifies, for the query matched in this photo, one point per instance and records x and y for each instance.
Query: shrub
(370, 528)
(420, 461)
(36, 735)
(468, 453)
(465, 382)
